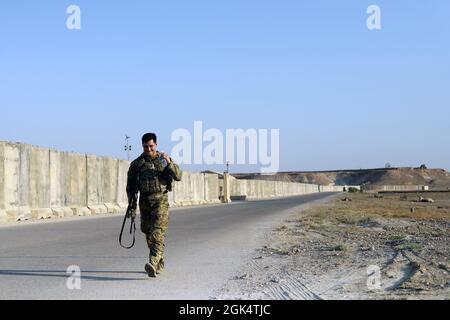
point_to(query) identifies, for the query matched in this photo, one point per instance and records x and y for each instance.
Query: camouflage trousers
(154, 223)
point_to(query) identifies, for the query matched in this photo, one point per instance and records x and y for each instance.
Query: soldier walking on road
(152, 175)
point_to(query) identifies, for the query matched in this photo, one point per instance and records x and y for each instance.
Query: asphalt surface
(206, 246)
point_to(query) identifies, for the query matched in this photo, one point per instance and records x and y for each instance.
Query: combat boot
(152, 267)
(160, 267)
(151, 270)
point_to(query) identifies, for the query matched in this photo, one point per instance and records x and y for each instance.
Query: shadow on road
(64, 274)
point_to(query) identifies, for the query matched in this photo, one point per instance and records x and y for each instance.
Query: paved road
(206, 246)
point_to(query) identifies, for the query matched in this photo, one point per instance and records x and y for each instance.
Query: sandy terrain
(356, 246)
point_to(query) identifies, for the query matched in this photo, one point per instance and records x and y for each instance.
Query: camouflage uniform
(152, 178)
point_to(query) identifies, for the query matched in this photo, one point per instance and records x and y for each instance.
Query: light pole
(127, 146)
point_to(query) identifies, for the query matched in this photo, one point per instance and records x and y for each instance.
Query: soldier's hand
(131, 213)
(167, 158)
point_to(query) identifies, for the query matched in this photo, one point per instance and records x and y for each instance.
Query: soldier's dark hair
(149, 136)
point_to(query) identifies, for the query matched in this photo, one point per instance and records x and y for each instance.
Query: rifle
(131, 214)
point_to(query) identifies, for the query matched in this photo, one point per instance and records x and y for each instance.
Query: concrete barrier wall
(263, 189)
(103, 183)
(16, 181)
(239, 188)
(395, 188)
(189, 191)
(40, 183)
(69, 184)
(122, 175)
(333, 188)
(62, 177)
(3, 216)
(212, 188)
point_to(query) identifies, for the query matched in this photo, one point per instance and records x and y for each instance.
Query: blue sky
(341, 95)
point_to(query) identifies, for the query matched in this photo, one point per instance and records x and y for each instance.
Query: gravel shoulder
(355, 246)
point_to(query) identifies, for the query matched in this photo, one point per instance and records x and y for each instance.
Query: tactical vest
(150, 176)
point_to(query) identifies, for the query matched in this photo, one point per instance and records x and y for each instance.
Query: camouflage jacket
(151, 176)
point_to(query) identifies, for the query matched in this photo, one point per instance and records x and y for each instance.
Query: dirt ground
(356, 246)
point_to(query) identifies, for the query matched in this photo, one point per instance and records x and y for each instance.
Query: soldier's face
(150, 147)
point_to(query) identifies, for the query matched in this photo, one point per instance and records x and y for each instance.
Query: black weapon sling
(132, 232)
